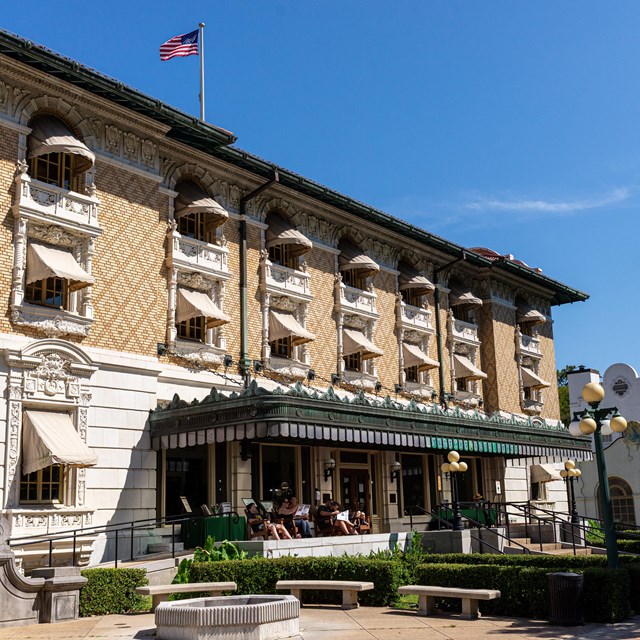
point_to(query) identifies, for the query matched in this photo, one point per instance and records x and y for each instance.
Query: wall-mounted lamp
(480, 402)
(311, 375)
(378, 386)
(396, 467)
(398, 388)
(161, 348)
(258, 366)
(227, 361)
(329, 466)
(434, 395)
(335, 378)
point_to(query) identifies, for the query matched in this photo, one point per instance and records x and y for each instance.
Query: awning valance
(352, 257)
(532, 380)
(544, 473)
(50, 135)
(192, 198)
(281, 231)
(464, 368)
(411, 279)
(50, 438)
(354, 341)
(459, 297)
(193, 304)
(284, 325)
(529, 315)
(414, 356)
(47, 262)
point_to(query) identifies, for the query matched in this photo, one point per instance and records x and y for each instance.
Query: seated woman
(358, 517)
(347, 527)
(288, 509)
(257, 523)
(285, 512)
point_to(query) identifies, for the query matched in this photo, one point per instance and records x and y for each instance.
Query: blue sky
(499, 124)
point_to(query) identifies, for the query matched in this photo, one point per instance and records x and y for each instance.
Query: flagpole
(201, 52)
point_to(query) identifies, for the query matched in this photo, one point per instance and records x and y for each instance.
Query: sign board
(185, 504)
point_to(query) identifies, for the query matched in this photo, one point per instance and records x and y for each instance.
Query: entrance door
(355, 489)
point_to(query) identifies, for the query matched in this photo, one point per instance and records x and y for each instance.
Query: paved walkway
(366, 623)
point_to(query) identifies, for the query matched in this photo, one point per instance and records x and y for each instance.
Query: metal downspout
(244, 364)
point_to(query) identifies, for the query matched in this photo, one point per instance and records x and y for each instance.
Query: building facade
(622, 390)
(185, 319)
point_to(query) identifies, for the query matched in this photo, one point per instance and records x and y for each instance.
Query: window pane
(413, 477)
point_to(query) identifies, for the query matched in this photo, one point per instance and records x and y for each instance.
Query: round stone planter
(229, 617)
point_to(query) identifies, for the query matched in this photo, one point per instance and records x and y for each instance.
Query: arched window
(285, 243)
(621, 501)
(56, 156)
(198, 215)
(355, 266)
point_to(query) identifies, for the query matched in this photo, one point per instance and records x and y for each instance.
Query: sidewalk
(330, 623)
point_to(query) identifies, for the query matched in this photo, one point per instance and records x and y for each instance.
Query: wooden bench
(349, 589)
(470, 597)
(160, 592)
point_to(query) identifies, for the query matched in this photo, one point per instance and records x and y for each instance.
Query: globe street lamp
(594, 420)
(452, 468)
(569, 473)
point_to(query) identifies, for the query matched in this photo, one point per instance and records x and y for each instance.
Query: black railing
(118, 531)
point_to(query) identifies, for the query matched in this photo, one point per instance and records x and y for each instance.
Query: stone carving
(4, 95)
(5, 530)
(195, 281)
(284, 303)
(52, 326)
(53, 235)
(131, 146)
(148, 150)
(112, 139)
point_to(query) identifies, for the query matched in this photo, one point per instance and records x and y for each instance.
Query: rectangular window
(281, 347)
(192, 225)
(193, 329)
(413, 483)
(56, 169)
(43, 486)
(281, 254)
(462, 384)
(52, 292)
(278, 466)
(353, 362)
(409, 297)
(412, 374)
(463, 313)
(354, 278)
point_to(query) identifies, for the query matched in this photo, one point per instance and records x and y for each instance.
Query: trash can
(566, 599)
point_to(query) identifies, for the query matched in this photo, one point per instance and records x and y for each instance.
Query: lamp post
(569, 473)
(592, 421)
(452, 468)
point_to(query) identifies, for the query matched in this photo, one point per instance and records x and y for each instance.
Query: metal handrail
(129, 526)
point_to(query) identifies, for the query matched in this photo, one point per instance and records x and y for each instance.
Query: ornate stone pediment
(51, 322)
(195, 281)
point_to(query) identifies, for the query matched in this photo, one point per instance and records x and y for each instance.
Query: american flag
(184, 45)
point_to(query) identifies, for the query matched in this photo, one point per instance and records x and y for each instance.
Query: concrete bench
(470, 597)
(161, 592)
(349, 589)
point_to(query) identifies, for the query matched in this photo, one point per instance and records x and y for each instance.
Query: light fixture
(329, 466)
(227, 361)
(398, 388)
(258, 366)
(311, 375)
(378, 386)
(161, 348)
(453, 467)
(570, 472)
(593, 420)
(434, 395)
(335, 378)
(396, 467)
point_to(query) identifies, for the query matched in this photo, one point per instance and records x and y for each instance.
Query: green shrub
(259, 575)
(111, 591)
(524, 589)
(560, 562)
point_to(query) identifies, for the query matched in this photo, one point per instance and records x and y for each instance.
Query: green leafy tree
(563, 393)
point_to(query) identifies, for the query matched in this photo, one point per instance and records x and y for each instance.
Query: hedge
(559, 562)
(524, 589)
(111, 591)
(259, 575)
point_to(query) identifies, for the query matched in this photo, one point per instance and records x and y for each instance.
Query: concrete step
(164, 547)
(524, 541)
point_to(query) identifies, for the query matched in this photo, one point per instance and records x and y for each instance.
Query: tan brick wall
(384, 336)
(548, 372)
(8, 156)
(130, 292)
(321, 319)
